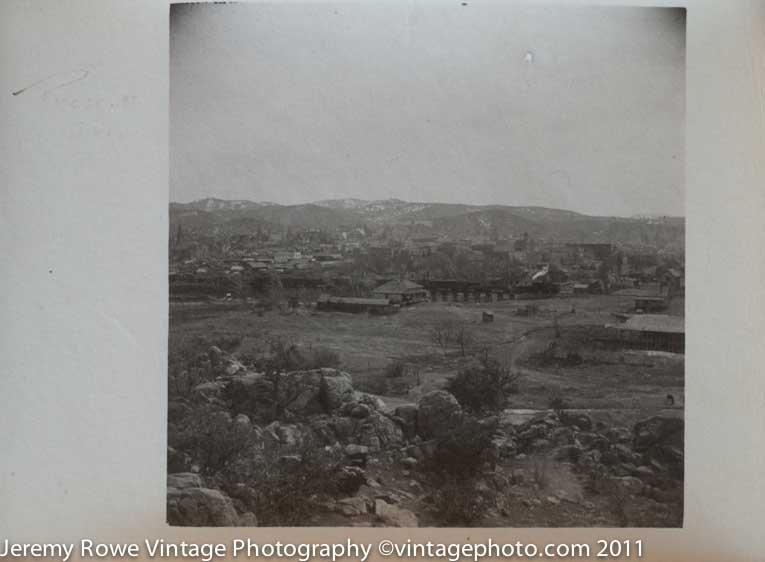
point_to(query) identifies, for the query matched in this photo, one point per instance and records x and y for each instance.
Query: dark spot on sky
(50, 271)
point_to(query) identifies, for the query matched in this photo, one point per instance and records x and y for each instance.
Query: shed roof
(653, 323)
(398, 286)
(354, 300)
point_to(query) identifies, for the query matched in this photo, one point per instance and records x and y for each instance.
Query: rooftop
(354, 300)
(398, 286)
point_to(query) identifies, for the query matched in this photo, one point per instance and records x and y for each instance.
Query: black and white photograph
(426, 265)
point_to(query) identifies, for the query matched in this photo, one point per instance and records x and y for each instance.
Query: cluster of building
(353, 264)
(385, 299)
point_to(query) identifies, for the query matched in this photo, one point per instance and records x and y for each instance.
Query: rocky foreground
(242, 443)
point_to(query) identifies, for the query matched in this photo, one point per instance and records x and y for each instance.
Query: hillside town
(354, 262)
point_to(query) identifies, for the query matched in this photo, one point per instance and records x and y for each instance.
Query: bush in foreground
(285, 485)
(454, 468)
(483, 386)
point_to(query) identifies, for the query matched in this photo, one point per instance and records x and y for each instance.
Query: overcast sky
(574, 108)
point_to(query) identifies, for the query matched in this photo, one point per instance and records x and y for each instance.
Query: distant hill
(246, 219)
(211, 204)
(379, 211)
(349, 203)
(404, 218)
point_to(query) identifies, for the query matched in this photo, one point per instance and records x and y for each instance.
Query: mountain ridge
(352, 203)
(405, 219)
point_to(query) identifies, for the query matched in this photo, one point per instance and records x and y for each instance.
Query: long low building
(354, 304)
(660, 332)
(402, 291)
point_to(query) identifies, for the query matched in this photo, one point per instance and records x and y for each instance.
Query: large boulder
(394, 516)
(662, 439)
(200, 507)
(374, 402)
(294, 395)
(352, 506)
(438, 413)
(336, 388)
(252, 394)
(360, 405)
(357, 454)
(248, 519)
(406, 415)
(659, 430)
(317, 391)
(183, 480)
(378, 431)
(299, 392)
(360, 411)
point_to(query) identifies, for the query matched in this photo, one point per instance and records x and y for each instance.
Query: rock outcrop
(378, 431)
(394, 516)
(380, 458)
(659, 431)
(191, 505)
(406, 416)
(336, 388)
(298, 394)
(183, 480)
(438, 413)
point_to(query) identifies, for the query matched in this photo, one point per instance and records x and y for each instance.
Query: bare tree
(441, 334)
(463, 337)
(452, 333)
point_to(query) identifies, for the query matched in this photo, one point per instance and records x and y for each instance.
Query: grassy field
(619, 386)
